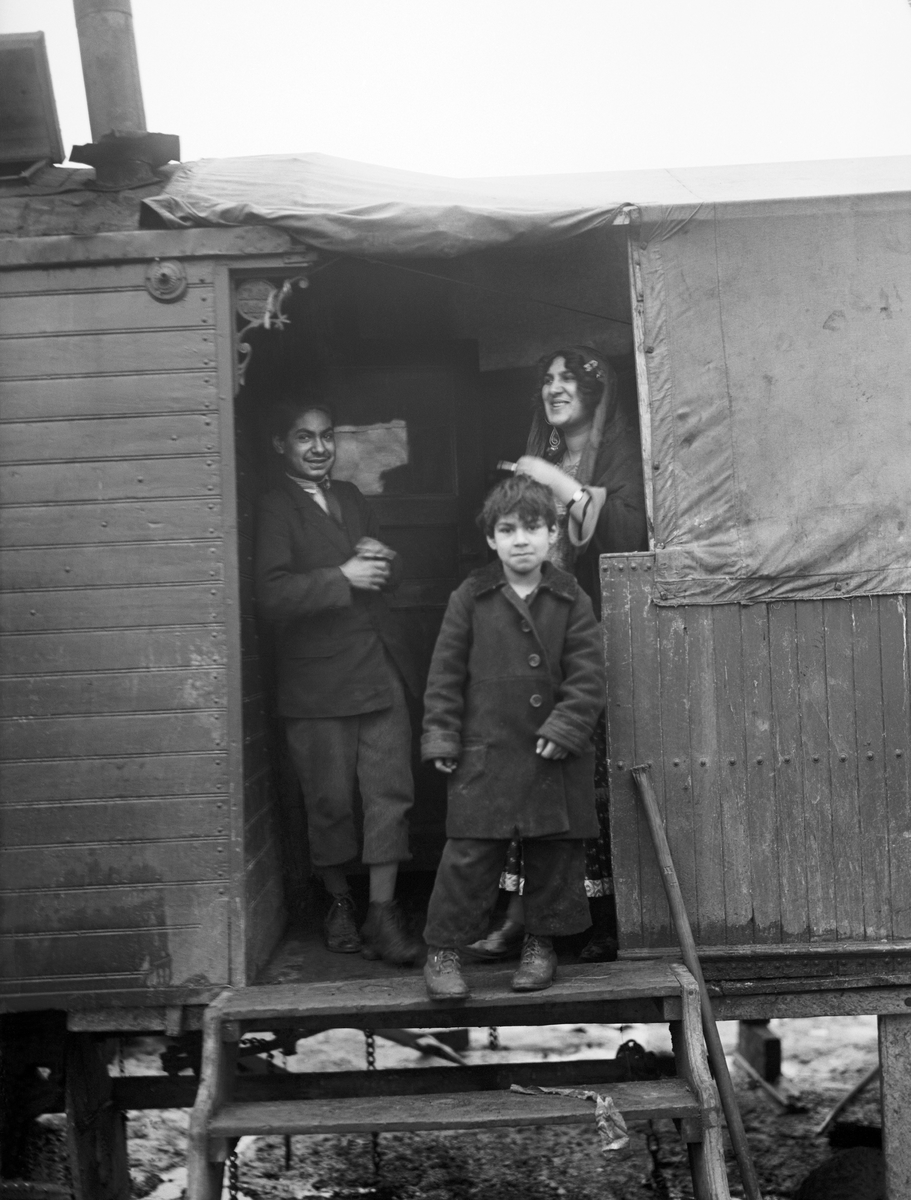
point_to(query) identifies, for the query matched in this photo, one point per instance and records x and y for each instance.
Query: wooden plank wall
(113, 822)
(263, 755)
(779, 737)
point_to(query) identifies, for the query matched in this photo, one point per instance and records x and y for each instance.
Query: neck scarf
(322, 495)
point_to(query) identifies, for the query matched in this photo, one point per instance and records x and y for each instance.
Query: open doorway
(433, 366)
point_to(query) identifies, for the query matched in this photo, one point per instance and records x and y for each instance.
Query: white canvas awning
(358, 208)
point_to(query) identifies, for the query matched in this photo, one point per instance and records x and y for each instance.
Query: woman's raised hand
(562, 485)
(540, 469)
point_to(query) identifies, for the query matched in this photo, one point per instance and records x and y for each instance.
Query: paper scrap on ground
(612, 1131)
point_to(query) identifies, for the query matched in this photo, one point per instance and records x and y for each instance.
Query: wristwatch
(577, 495)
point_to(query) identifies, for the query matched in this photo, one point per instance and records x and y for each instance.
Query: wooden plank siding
(779, 737)
(269, 844)
(114, 818)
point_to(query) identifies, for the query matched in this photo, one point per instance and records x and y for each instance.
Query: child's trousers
(329, 754)
(468, 879)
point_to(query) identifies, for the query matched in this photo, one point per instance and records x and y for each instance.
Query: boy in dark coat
(320, 574)
(516, 685)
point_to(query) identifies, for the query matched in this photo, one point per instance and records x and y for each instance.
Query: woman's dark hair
(288, 406)
(591, 382)
(522, 497)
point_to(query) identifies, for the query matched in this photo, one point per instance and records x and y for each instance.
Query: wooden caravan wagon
(758, 653)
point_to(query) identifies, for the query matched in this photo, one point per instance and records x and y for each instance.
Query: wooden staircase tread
(465, 1110)
(403, 994)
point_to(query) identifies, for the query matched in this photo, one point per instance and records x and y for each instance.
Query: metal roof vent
(29, 131)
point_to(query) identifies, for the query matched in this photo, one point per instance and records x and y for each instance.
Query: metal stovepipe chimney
(110, 68)
(122, 152)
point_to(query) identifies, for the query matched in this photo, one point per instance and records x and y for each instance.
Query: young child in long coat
(515, 688)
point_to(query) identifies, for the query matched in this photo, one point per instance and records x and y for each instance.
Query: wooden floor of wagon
(301, 955)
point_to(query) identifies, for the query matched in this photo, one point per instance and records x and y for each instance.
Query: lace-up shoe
(443, 975)
(340, 926)
(385, 935)
(538, 966)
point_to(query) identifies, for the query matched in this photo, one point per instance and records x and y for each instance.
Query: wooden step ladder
(453, 1098)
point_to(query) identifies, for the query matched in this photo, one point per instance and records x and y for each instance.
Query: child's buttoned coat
(503, 675)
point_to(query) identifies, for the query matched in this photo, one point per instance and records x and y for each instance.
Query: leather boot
(602, 944)
(538, 967)
(443, 975)
(385, 935)
(340, 926)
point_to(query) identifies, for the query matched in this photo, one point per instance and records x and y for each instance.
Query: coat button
(534, 660)
(536, 701)
(525, 627)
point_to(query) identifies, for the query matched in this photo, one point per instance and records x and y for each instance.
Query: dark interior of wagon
(432, 366)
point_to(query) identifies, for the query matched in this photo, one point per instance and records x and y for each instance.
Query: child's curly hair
(519, 496)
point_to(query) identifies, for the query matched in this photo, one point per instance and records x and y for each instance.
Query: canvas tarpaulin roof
(358, 208)
(777, 338)
(778, 351)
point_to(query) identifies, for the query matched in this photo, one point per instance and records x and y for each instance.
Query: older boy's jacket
(329, 636)
(503, 675)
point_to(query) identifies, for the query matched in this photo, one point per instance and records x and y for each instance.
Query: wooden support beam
(705, 1151)
(95, 1129)
(761, 1048)
(206, 1159)
(895, 1061)
(28, 1041)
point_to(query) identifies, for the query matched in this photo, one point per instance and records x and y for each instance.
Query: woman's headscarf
(545, 441)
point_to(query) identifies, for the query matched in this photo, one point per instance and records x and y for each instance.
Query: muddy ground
(822, 1060)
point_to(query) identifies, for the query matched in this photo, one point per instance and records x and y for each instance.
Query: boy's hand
(366, 574)
(446, 765)
(369, 547)
(549, 749)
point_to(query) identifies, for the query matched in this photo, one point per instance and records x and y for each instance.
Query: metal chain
(375, 1152)
(370, 1040)
(659, 1183)
(233, 1175)
(257, 1045)
(493, 1038)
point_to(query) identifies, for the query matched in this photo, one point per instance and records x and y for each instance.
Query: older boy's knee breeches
(468, 877)
(329, 754)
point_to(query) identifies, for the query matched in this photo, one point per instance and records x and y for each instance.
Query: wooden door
(418, 415)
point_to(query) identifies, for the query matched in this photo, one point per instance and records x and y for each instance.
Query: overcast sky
(487, 87)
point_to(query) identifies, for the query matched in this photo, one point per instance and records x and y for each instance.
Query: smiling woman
(581, 447)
